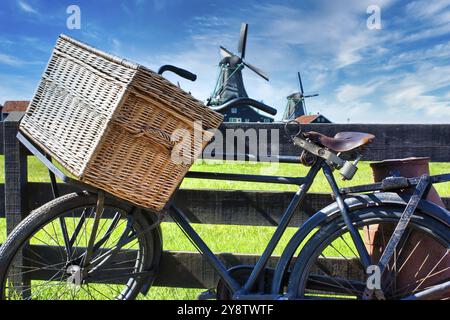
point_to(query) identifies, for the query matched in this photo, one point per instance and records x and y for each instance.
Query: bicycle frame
(304, 183)
(242, 292)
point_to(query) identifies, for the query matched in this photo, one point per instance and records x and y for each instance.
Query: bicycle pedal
(207, 295)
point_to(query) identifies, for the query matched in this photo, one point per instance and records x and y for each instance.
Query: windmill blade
(311, 95)
(300, 82)
(243, 40)
(225, 52)
(258, 71)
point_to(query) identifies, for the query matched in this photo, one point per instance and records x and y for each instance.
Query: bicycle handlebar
(235, 102)
(181, 72)
(247, 101)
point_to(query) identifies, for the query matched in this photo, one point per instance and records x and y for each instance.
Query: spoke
(354, 253)
(98, 292)
(44, 263)
(401, 293)
(134, 275)
(116, 238)
(68, 246)
(338, 252)
(61, 293)
(113, 269)
(325, 270)
(34, 286)
(410, 255)
(113, 289)
(432, 270)
(401, 290)
(86, 289)
(348, 246)
(34, 269)
(57, 239)
(61, 253)
(98, 214)
(82, 225)
(108, 232)
(337, 285)
(47, 283)
(78, 228)
(393, 280)
(122, 262)
(72, 292)
(346, 260)
(112, 252)
(54, 285)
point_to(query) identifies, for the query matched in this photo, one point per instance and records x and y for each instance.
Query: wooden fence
(251, 208)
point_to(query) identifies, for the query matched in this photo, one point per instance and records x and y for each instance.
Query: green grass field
(238, 239)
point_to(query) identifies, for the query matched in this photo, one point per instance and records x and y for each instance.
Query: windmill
(230, 84)
(296, 105)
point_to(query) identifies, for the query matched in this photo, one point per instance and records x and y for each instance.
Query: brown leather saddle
(342, 142)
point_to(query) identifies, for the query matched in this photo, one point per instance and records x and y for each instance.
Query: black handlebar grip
(181, 72)
(247, 101)
(258, 105)
(266, 108)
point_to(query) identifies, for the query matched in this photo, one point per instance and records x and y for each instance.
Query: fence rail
(252, 208)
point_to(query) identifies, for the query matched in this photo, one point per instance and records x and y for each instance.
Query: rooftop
(11, 106)
(307, 119)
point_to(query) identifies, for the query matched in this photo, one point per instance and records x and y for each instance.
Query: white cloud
(336, 34)
(400, 98)
(438, 51)
(428, 33)
(116, 44)
(26, 7)
(347, 93)
(427, 9)
(415, 94)
(426, 20)
(10, 60)
(210, 21)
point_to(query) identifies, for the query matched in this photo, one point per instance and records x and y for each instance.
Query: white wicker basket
(109, 121)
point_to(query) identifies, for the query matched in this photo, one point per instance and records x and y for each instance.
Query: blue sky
(398, 74)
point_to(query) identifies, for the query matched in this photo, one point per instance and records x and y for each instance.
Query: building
(244, 114)
(295, 106)
(313, 118)
(13, 106)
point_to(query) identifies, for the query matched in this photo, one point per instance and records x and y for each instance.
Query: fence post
(15, 201)
(15, 172)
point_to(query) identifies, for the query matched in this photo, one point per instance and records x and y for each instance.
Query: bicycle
(92, 245)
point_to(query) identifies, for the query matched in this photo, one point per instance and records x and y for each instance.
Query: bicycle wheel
(41, 261)
(329, 266)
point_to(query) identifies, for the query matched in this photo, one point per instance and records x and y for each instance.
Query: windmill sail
(230, 83)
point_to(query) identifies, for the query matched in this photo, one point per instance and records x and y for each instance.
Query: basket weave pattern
(109, 123)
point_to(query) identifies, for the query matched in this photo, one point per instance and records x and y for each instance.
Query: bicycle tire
(147, 254)
(308, 272)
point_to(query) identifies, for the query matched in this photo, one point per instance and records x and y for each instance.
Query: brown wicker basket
(109, 122)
